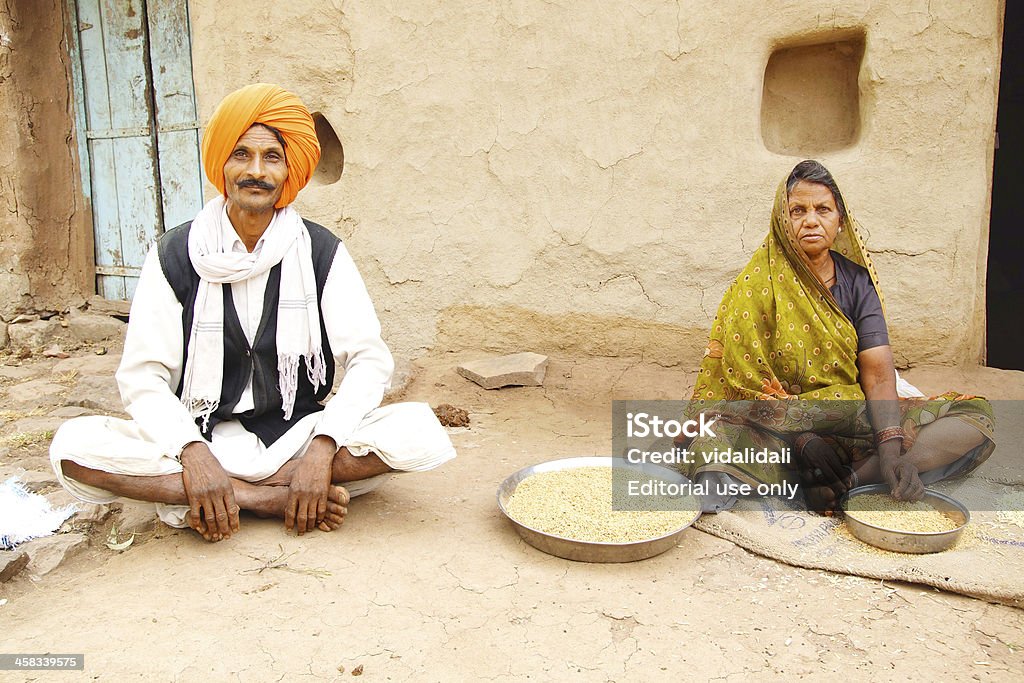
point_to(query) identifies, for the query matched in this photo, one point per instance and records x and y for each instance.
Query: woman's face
(815, 218)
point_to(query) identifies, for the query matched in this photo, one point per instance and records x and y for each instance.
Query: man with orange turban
(239, 321)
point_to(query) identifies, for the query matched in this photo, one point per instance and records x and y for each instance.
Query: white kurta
(406, 436)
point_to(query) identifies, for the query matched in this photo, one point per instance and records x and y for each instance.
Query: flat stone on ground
(517, 369)
(61, 499)
(37, 481)
(35, 392)
(11, 563)
(98, 304)
(96, 393)
(92, 513)
(36, 424)
(88, 365)
(55, 351)
(34, 334)
(70, 411)
(136, 518)
(46, 554)
(92, 327)
(18, 372)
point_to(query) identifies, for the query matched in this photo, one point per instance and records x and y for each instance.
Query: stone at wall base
(517, 369)
(92, 327)
(101, 306)
(34, 334)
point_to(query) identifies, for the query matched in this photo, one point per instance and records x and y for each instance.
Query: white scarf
(286, 241)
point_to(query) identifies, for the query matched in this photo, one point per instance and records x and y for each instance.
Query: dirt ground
(426, 581)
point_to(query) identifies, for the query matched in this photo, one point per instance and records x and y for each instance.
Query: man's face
(255, 172)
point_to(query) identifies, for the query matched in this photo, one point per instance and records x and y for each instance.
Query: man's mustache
(252, 182)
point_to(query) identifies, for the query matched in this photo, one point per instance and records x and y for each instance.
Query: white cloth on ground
(406, 436)
(25, 515)
(905, 389)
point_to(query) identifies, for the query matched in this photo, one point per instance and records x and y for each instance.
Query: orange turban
(273, 106)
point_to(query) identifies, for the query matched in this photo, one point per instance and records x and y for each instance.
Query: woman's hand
(899, 473)
(820, 465)
(878, 380)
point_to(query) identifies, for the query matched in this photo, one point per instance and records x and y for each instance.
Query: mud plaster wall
(530, 175)
(46, 249)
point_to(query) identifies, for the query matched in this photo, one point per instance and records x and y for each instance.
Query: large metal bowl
(908, 541)
(590, 551)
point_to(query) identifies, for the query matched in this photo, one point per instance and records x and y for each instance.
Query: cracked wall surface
(46, 246)
(528, 174)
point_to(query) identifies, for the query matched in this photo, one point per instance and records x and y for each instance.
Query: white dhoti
(406, 436)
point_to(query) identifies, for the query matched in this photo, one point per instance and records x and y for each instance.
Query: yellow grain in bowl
(898, 515)
(577, 504)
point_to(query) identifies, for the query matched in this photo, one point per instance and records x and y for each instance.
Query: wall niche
(810, 101)
(332, 154)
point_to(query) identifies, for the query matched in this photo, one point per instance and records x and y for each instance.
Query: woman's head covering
(273, 106)
(778, 331)
(849, 242)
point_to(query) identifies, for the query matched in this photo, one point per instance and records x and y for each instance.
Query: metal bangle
(803, 440)
(889, 434)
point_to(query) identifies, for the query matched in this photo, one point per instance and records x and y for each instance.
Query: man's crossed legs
(307, 492)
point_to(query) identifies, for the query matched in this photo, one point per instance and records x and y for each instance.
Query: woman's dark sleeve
(868, 319)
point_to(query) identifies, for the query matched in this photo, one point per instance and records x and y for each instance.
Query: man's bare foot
(269, 501)
(208, 532)
(337, 508)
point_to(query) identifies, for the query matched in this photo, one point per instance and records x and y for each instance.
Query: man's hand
(210, 495)
(900, 474)
(311, 481)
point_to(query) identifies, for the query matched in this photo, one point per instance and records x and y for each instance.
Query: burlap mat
(987, 562)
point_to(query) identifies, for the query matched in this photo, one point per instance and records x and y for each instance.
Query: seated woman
(803, 327)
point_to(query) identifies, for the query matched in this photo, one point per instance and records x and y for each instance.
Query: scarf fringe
(202, 408)
(316, 369)
(288, 376)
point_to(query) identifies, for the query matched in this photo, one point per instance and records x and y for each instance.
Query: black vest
(266, 419)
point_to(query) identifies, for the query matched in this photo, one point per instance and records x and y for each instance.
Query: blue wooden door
(141, 133)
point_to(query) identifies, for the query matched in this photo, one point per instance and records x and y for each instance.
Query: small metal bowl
(592, 551)
(919, 542)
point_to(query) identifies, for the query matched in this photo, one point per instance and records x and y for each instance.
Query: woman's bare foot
(821, 499)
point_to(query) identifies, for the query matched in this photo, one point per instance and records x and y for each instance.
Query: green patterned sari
(782, 360)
